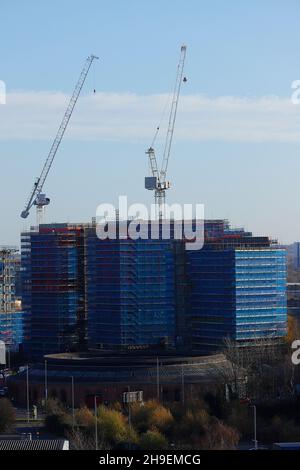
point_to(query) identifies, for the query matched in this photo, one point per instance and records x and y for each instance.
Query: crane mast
(36, 196)
(157, 181)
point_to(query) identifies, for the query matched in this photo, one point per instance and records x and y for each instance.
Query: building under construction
(121, 293)
(238, 289)
(53, 286)
(11, 314)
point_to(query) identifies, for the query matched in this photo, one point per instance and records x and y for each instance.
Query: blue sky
(236, 146)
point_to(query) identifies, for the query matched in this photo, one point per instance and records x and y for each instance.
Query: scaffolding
(11, 321)
(238, 289)
(53, 288)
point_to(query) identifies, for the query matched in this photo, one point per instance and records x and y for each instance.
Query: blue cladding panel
(260, 294)
(236, 293)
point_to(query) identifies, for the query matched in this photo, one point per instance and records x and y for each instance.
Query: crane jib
(157, 181)
(39, 183)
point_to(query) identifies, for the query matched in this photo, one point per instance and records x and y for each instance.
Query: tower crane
(157, 182)
(36, 196)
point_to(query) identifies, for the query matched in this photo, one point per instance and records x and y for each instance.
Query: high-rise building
(54, 287)
(130, 293)
(126, 293)
(294, 254)
(11, 313)
(293, 300)
(238, 290)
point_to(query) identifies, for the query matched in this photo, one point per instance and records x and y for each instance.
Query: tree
(58, 423)
(81, 440)
(153, 440)
(219, 436)
(196, 428)
(113, 426)
(151, 415)
(57, 420)
(293, 327)
(84, 417)
(54, 406)
(7, 415)
(192, 426)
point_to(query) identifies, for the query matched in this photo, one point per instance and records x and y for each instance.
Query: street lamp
(73, 403)
(248, 402)
(27, 393)
(255, 436)
(157, 378)
(96, 422)
(46, 384)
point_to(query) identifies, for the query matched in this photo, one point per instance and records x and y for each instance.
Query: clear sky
(237, 138)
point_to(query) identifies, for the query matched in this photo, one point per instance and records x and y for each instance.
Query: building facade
(121, 293)
(130, 291)
(53, 288)
(237, 290)
(12, 327)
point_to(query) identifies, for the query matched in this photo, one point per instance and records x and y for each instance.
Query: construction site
(81, 292)
(11, 314)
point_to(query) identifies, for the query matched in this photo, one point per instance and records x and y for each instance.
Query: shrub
(57, 420)
(58, 423)
(153, 440)
(84, 417)
(219, 436)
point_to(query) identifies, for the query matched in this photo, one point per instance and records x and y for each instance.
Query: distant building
(294, 254)
(108, 375)
(2, 354)
(293, 300)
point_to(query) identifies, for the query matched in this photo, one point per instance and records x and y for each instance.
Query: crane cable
(161, 119)
(94, 79)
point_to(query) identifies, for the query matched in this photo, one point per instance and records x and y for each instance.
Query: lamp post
(255, 435)
(73, 403)
(46, 383)
(182, 385)
(96, 422)
(157, 378)
(27, 393)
